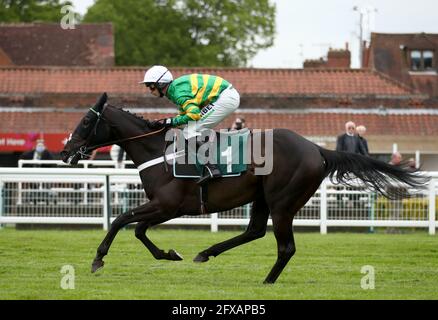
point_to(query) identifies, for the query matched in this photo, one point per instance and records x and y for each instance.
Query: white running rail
(63, 195)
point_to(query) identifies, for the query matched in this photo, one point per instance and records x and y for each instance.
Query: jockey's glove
(161, 123)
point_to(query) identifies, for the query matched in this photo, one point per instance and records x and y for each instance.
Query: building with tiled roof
(260, 88)
(47, 44)
(409, 58)
(312, 102)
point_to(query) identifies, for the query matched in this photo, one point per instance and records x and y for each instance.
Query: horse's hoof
(200, 258)
(97, 265)
(175, 256)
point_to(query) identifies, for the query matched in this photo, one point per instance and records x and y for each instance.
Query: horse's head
(90, 131)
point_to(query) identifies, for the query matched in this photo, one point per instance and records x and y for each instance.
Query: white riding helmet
(157, 75)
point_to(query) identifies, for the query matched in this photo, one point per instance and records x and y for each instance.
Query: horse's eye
(86, 122)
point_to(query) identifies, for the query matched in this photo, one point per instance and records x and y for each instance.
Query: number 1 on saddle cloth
(228, 151)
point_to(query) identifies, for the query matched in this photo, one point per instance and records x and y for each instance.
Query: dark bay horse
(299, 167)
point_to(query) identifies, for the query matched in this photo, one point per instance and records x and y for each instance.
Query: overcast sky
(307, 28)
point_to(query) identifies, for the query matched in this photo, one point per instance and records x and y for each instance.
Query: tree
(232, 30)
(144, 31)
(187, 32)
(31, 10)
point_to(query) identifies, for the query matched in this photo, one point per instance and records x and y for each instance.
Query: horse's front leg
(144, 212)
(140, 233)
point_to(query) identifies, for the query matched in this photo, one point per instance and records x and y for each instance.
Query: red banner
(10, 142)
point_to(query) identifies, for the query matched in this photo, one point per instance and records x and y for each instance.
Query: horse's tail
(344, 167)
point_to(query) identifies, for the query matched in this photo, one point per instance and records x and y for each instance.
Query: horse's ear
(101, 102)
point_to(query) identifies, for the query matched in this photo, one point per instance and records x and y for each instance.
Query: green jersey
(193, 92)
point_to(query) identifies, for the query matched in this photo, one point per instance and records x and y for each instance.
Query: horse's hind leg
(256, 229)
(282, 223)
(284, 205)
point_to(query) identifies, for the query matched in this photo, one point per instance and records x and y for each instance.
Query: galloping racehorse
(299, 167)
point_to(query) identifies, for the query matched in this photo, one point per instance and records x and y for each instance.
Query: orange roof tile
(124, 80)
(308, 124)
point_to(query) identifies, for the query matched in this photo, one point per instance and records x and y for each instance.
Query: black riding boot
(210, 170)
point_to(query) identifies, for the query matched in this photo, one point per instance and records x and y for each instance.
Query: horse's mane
(136, 116)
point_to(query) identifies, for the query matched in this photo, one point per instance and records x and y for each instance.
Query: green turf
(324, 266)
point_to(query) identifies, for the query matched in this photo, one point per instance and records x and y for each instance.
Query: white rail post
(417, 159)
(85, 200)
(323, 207)
(19, 198)
(432, 206)
(1, 201)
(247, 210)
(106, 204)
(214, 222)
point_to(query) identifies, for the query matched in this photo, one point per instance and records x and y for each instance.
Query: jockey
(201, 98)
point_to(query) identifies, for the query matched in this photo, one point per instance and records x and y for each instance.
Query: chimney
(314, 64)
(340, 58)
(365, 55)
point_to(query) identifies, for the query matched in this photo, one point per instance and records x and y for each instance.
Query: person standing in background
(361, 130)
(238, 124)
(119, 155)
(349, 141)
(396, 158)
(38, 153)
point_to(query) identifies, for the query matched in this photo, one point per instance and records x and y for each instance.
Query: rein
(124, 139)
(83, 151)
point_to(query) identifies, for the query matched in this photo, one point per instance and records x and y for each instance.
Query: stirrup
(212, 172)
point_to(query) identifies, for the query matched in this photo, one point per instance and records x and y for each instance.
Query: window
(422, 60)
(428, 60)
(415, 60)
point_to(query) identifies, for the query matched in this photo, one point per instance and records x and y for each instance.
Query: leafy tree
(144, 31)
(31, 10)
(187, 32)
(231, 30)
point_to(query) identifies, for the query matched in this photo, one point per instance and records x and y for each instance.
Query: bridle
(84, 151)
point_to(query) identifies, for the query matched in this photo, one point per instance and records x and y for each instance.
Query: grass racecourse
(324, 266)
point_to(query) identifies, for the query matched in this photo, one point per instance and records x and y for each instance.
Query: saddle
(229, 151)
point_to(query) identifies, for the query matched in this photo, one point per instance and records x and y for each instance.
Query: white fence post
(19, 199)
(106, 204)
(1, 201)
(432, 206)
(323, 207)
(214, 222)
